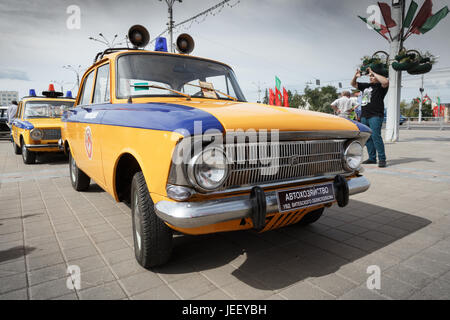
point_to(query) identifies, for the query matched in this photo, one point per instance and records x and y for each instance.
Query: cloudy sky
(297, 40)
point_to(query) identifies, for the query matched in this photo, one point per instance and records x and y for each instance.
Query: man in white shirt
(12, 110)
(344, 106)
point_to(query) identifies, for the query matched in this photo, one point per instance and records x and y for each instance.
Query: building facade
(7, 97)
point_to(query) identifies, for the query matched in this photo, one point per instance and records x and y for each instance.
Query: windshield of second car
(46, 109)
(137, 72)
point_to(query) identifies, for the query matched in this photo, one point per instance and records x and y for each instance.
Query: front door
(86, 136)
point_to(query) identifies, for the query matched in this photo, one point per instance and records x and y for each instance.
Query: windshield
(46, 109)
(136, 73)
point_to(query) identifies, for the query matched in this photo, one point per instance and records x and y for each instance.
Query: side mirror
(14, 102)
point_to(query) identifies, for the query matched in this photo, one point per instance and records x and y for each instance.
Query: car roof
(115, 54)
(26, 99)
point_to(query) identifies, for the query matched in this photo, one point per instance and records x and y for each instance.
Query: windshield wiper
(188, 97)
(230, 97)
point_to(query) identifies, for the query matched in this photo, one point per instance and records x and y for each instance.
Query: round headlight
(353, 155)
(209, 169)
(36, 134)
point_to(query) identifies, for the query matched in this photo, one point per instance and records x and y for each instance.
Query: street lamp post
(421, 101)
(171, 23)
(77, 71)
(60, 83)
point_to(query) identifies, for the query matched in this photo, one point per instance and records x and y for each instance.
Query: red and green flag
(379, 28)
(285, 98)
(424, 13)
(278, 83)
(386, 13)
(278, 97)
(271, 97)
(434, 20)
(410, 15)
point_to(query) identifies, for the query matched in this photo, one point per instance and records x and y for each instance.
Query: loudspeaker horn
(138, 36)
(185, 43)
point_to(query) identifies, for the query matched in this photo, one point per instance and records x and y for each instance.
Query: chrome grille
(51, 134)
(260, 163)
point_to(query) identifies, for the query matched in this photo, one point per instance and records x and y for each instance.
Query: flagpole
(395, 77)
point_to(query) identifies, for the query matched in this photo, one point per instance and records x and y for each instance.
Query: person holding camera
(372, 113)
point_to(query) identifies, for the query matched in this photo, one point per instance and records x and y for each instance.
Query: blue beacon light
(69, 94)
(161, 44)
(32, 93)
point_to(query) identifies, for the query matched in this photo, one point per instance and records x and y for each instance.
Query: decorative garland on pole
(411, 61)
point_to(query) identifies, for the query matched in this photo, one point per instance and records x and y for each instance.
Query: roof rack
(100, 55)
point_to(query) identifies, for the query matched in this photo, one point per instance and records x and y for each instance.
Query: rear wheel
(80, 181)
(152, 237)
(29, 157)
(17, 149)
(312, 217)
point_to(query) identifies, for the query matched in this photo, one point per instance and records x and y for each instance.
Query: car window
(19, 112)
(87, 89)
(220, 83)
(46, 109)
(101, 91)
(136, 73)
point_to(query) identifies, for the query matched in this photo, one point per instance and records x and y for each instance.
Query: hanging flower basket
(425, 64)
(421, 68)
(406, 60)
(376, 63)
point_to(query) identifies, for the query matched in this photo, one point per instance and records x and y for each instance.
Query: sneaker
(382, 164)
(368, 161)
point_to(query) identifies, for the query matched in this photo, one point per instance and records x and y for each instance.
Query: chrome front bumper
(198, 214)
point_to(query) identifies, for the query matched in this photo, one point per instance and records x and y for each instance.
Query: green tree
(296, 100)
(266, 97)
(320, 99)
(413, 111)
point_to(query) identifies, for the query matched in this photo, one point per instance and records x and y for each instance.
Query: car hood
(239, 115)
(43, 123)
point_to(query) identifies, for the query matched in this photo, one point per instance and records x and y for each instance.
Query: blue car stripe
(154, 116)
(361, 127)
(22, 124)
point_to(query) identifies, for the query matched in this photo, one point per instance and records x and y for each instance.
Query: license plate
(304, 197)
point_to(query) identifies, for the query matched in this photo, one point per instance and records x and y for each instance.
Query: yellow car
(37, 125)
(173, 136)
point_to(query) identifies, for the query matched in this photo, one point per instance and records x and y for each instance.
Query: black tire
(152, 237)
(80, 181)
(312, 217)
(17, 149)
(28, 157)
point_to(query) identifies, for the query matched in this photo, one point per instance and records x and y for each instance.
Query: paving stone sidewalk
(401, 225)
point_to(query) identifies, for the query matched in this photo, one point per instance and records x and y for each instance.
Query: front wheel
(312, 217)
(28, 157)
(80, 181)
(152, 237)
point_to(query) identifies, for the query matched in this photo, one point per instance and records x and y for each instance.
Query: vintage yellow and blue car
(173, 136)
(37, 124)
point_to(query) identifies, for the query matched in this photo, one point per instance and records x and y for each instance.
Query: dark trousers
(375, 143)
